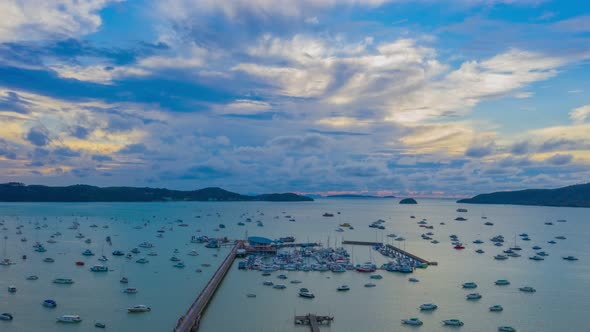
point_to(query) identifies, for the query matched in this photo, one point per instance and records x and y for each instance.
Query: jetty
(191, 319)
(314, 321)
(395, 249)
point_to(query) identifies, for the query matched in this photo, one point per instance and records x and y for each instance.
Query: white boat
(69, 319)
(139, 308)
(452, 322)
(412, 321)
(428, 306)
(304, 292)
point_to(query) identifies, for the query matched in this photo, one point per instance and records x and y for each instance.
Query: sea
(561, 302)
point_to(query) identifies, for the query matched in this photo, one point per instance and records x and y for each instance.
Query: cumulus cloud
(560, 159)
(38, 136)
(479, 151)
(580, 114)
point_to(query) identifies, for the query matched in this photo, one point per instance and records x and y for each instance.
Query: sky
(412, 98)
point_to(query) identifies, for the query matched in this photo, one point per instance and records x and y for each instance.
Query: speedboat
(130, 290)
(63, 281)
(69, 319)
(412, 321)
(118, 253)
(304, 292)
(49, 303)
(428, 306)
(343, 288)
(502, 282)
(496, 307)
(527, 289)
(506, 329)
(473, 296)
(452, 322)
(139, 308)
(469, 285)
(99, 268)
(6, 316)
(570, 258)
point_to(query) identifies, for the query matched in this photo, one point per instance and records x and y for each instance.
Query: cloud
(305, 143)
(580, 114)
(560, 159)
(479, 151)
(39, 19)
(101, 158)
(138, 148)
(38, 136)
(520, 148)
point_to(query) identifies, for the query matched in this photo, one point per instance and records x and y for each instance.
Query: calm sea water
(560, 303)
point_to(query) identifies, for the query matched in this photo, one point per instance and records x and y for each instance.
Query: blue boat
(49, 303)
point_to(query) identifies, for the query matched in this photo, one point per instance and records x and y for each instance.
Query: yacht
(139, 308)
(452, 322)
(428, 306)
(69, 319)
(473, 296)
(343, 288)
(570, 258)
(496, 307)
(99, 268)
(412, 321)
(304, 292)
(527, 289)
(63, 281)
(469, 285)
(506, 329)
(49, 303)
(502, 282)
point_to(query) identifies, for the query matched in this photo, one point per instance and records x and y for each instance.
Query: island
(408, 201)
(19, 192)
(571, 196)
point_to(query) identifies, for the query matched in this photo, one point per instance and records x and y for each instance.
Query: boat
(87, 252)
(413, 280)
(488, 223)
(327, 214)
(459, 247)
(305, 293)
(179, 265)
(142, 260)
(135, 250)
(561, 237)
(345, 225)
(376, 277)
(279, 286)
(152, 253)
(479, 251)
(146, 245)
(69, 319)
(500, 257)
(49, 303)
(118, 253)
(33, 277)
(99, 268)
(63, 281)
(537, 248)
(296, 281)
(80, 263)
(124, 280)
(268, 283)
(473, 296)
(527, 289)
(478, 241)
(452, 322)
(139, 308)
(6, 316)
(506, 329)
(496, 307)
(370, 285)
(48, 260)
(343, 288)
(412, 321)
(193, 253)
(250, 295)
(12, 289)
(502, 282)
(100, 325)
(130, 290)
(570, 258)
(551, 242)
(536, 258)
(469, 285)
(367, 267)
(428, 306)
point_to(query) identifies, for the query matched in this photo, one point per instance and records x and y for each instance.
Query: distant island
(356, 196)
(571, 196)
(408, 201)
(18, 192)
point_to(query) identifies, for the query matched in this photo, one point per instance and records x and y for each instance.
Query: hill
(571, 196)
(357, 196)
(18, 192)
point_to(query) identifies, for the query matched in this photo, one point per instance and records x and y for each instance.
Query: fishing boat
(343, 288)
(428, 306)
(138, 308)
(63, 281)
(452, 322)
(412, 321)
(69, 319)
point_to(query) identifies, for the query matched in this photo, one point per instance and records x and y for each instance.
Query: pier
(314, 321)
(191, 319)
(392, 248)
